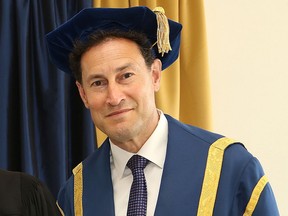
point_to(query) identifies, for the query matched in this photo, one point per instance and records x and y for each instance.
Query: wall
(248, 58)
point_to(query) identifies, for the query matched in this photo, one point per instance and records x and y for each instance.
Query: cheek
(95, 102)
(145, 95)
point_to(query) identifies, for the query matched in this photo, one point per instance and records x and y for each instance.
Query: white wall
(248, 58)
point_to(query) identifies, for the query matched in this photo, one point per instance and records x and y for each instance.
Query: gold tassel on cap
(163, 42)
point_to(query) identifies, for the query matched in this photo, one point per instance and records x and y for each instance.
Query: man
(117, 56)
(23, 194)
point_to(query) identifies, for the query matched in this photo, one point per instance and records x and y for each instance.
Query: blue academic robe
(182, 178)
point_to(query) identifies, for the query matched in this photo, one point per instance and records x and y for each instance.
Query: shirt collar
(154, 148)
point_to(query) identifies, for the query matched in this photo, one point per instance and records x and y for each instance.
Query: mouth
(118, 112)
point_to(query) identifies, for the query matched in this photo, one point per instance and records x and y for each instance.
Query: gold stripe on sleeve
(255, 196)
(212, 176)
(78, 190)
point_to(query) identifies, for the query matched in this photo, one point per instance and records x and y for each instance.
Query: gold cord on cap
(163, 42)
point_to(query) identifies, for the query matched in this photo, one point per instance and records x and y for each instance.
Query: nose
(115, 94)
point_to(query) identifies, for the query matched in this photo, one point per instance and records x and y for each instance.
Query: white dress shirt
(155, 151)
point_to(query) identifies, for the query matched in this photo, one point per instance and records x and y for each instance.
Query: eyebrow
(128, 65)
(117, 70)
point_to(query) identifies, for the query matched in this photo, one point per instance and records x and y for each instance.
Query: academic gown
(24, 195)
(181, 182)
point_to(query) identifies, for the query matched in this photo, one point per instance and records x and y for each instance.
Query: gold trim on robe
(78, 190)
(212, 176)
(60, 209)
(255, 196)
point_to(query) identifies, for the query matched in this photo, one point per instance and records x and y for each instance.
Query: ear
(156, 74)
(82, 94)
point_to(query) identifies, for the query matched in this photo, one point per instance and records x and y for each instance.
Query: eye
(127, 75)
(99, 83)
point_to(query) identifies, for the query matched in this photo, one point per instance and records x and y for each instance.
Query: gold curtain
(185, 88)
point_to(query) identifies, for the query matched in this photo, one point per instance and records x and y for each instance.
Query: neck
(135, 144)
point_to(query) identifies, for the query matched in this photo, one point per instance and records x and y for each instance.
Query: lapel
(183, 171)
(99, 187)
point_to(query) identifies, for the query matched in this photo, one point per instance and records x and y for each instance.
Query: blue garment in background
(44, 128)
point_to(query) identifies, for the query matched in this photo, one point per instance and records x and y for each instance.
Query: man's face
(118, 88)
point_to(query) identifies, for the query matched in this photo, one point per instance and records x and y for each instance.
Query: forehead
(114, 46)
(110, 53)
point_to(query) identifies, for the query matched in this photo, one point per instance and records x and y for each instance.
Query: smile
(118, 112)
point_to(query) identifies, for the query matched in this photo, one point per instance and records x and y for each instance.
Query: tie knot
(137, 162)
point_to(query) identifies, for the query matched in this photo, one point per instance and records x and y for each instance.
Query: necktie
(138, 194)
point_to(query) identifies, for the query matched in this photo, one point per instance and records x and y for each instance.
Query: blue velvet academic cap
(140, 19)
